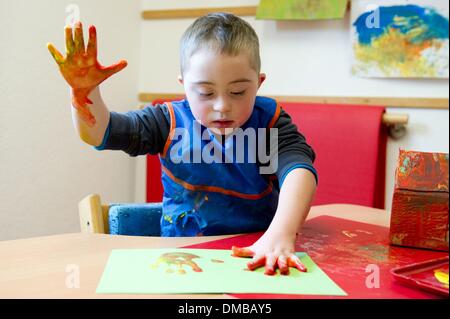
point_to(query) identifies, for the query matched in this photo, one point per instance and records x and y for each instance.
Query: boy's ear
(180, 80)
(262, 78)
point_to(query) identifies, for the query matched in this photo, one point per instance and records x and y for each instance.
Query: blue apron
(228, 197)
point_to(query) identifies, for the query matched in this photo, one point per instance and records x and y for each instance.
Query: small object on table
(419, 215)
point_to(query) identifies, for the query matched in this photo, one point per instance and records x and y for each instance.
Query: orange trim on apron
(216, 189)
(275, 116)
(172, 128)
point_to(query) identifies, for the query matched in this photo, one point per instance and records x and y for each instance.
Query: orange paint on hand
(270, 271)
(252, 265)
(81, 69)
(282, 263)
(283, 266)
(242, 252)
(295, 262)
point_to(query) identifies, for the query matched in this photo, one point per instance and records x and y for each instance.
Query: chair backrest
(350, 144)
(135, 219)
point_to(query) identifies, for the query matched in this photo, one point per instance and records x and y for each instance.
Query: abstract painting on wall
(400, 38)
(301, 9)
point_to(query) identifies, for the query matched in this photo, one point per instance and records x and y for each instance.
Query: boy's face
(221, 89)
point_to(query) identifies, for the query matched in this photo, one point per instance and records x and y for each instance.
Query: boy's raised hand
(81, 69)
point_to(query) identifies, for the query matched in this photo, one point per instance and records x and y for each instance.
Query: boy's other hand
(271, 252)
(80, 67)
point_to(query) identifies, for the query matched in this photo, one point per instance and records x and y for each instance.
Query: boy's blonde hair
(223, 32)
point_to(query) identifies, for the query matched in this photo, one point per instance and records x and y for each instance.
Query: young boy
(220, 72)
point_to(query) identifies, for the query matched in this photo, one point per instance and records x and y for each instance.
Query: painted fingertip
(302, 268)
(235, 250)
(269, 269)
(284, 271)
(51, 48)
(68, 30)
(269, 272)
(121, 65)
(251, 266)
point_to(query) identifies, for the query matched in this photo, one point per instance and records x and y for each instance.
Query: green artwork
(188, 271)
(301, 9)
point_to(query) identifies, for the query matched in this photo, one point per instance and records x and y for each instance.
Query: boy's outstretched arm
(84, 74)
(276, 248)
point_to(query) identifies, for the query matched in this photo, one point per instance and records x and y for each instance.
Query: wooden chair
(119, 219)
(93, 215)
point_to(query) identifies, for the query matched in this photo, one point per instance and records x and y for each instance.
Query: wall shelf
(393, 102)
(196, 12)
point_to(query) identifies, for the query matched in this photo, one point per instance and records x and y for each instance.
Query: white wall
(299, 58)
(45, 169)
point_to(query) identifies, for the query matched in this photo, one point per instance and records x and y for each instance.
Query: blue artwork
(409, 40)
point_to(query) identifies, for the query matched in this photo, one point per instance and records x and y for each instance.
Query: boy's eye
(238, 93)
(205, 94)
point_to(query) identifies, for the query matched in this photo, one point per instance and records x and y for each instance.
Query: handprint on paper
(177, 259)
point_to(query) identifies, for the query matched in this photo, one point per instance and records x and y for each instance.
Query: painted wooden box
(419, 215)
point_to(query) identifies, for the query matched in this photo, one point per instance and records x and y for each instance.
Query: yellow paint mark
(441, 276)
(168, 218)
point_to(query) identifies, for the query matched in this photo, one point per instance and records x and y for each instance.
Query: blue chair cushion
(135, 219)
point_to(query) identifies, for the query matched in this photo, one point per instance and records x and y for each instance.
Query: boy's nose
(222, 106)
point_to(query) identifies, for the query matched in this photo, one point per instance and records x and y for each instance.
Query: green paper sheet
(149, 271)
(301, 9)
